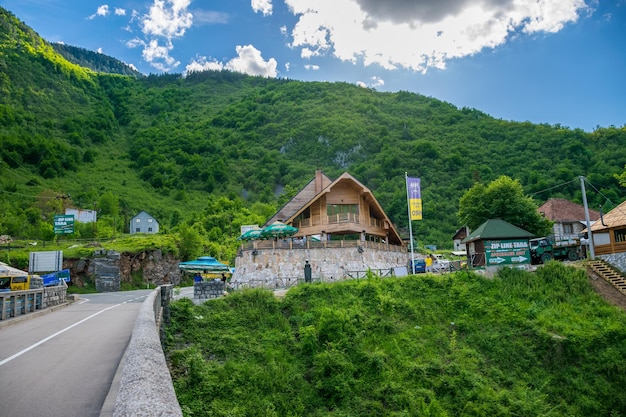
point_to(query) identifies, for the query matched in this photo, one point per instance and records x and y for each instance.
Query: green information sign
(507, 252)
(63, 224)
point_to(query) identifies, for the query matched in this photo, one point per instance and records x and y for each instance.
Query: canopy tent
(204, 264)
(9, 271)
(278, 229)
(251, 235)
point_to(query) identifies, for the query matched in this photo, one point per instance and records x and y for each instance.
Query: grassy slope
(521, 344)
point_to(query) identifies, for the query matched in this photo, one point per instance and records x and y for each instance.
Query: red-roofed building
(569, 218)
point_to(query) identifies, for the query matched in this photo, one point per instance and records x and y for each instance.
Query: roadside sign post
(63, 224)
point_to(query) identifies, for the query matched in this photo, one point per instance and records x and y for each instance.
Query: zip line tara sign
(507, 252)
(63, 224)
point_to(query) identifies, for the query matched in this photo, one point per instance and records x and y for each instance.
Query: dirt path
(606, 290)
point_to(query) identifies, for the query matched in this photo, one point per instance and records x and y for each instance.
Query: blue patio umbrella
(204, 264)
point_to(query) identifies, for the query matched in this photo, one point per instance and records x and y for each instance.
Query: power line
(618, 209)
(552, 188)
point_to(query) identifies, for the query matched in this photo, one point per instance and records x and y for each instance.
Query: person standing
(429, 263)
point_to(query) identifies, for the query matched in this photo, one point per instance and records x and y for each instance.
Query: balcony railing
(313, 244)
(336, 219)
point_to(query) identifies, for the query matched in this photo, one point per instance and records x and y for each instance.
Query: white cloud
(159, 56)
(249, 61)
(120, 12)
(99, 50)
(263, 6)
(418, 35)
(156, 55)
(134, 43)
(209, 17)
(201, 64)
(167, 18)
(102, 11)
(375, 82)
(312, 67)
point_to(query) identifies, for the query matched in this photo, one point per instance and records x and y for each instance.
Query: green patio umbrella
(278, 229)
(251, 234)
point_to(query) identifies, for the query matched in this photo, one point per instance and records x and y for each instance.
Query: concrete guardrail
(145, 387)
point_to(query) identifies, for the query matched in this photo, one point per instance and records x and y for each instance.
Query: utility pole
(592, 253)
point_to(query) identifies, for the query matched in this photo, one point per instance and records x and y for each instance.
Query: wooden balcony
(341, 224)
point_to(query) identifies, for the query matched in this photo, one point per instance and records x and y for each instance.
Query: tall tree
(504, 199)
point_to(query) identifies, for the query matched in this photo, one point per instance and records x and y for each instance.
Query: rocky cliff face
(155, 267)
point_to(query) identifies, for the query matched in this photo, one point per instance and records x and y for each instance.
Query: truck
(546, 248)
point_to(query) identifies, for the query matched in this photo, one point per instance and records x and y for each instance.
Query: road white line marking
(31, 347)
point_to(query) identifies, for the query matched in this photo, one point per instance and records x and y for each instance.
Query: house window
(568, 228)
(138, 230)
(138, 220)
(620, 236)
(149, 229)
(334, 209)
(149, 220)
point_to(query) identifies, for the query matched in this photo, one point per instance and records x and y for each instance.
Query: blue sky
(544, 61)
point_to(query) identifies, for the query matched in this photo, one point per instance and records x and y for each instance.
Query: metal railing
(294, 243)
(19, 303)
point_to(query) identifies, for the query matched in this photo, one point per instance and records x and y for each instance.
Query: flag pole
(408, 204)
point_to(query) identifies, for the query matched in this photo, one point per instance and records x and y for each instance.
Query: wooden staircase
(610, 275)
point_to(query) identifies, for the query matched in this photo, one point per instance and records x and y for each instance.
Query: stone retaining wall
(618, 260)
(53, 296)
(269, 267)
(208, 289)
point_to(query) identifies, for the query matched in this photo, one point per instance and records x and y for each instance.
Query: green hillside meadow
(520, 344)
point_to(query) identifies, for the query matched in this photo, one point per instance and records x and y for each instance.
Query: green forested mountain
(94, 60)
(210, 146)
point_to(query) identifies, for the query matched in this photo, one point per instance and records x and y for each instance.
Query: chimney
(318, 181)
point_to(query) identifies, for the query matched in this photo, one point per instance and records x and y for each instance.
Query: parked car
(441, 265)
(420, 266)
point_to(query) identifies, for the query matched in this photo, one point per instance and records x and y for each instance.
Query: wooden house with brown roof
(569, 218)
(609, 234)
(339, 209)
(343, 232)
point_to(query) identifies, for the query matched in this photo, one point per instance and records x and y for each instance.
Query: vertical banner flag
(415, 198)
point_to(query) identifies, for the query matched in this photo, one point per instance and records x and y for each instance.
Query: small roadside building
(458, 238)
(143, 223)
(497, 243)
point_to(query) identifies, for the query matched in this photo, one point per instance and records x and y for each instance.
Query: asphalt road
(63, 363)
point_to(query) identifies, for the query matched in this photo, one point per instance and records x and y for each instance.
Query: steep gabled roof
(613, 219)
(562, 210)
(143, 212)
(304, 196)
(497, 229)
(307, 196)
(461, 233)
